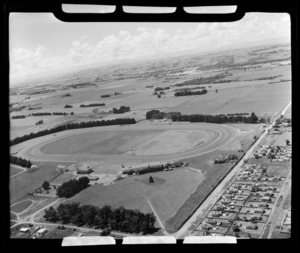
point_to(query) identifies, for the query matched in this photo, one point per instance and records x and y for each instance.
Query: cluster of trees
(39, 122)
(20, 161)
(18, 117)
(216, 118)
(92, 105)
(119, 219)
(64, 127)
(156, 114)
(122, 109)
(68, 106)
(70, 188)
(66, 95)
(46, 185)
(226, 159)
(190, 93)
(105, 96)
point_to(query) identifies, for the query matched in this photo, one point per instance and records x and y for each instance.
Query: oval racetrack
(222, 135)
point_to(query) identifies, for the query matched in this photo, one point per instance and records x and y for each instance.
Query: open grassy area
(59, 233)
(62, 178)
(168, 192)
(13, 216)
(281, 170)
(19, 207)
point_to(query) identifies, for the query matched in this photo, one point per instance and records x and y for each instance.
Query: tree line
(67, 126)
(70, 188)
(193, 88)
(49, 113)
(122, 109)
(221, 118)
(92, 105)
(20, 161)
(118, 219)
(190, 93)
(18, 117)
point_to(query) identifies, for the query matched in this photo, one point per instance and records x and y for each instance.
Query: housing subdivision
(257, 202)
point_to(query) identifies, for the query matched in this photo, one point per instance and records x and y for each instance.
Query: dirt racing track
(219, 137)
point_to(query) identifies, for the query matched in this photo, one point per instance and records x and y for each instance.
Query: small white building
(24, 230)
(42, 231)
(34, 167)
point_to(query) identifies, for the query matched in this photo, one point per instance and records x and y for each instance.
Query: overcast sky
(40, 43)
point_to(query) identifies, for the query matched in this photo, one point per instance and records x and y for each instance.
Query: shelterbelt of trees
(221, 118)
(119, 219)
(20, 161)
(92, 105)
(18, 117)
(121, 121)
(190, 93)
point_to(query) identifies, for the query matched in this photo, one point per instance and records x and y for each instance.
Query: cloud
(150, 41)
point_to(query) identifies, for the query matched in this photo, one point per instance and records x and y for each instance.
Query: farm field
(277, 140)
(14, 170)
(281, 170)
(27, 182)
(21, 206)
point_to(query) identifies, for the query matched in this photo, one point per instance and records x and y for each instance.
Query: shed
(42, 231)
(24, 230)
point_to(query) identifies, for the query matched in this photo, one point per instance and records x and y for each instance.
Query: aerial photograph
(150, 128)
